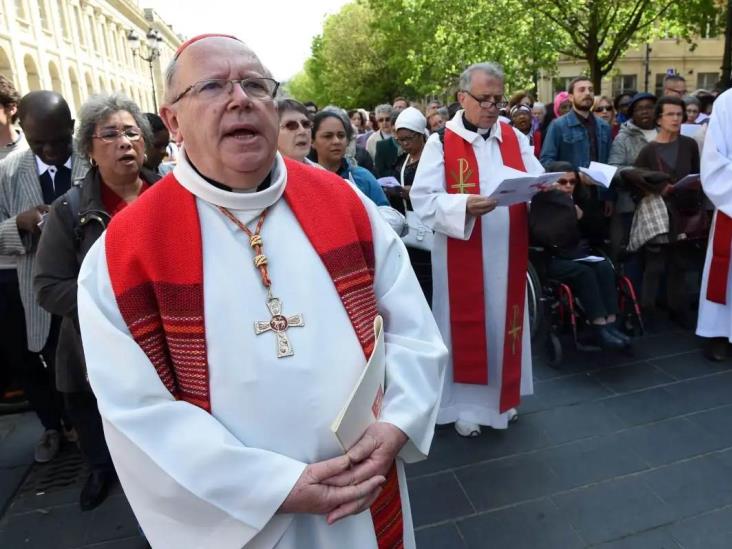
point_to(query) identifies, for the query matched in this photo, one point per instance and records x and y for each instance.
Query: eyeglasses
(110, 136)
(486, 103)
(407, 140)
(293, 125)
(566, 182)
(604, 109)
(215, 88)
(383, 120)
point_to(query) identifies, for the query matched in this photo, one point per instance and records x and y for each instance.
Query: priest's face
(479, 102)
(230, 136)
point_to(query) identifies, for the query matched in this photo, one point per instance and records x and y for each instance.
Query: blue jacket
(365, 181)
(567, 140)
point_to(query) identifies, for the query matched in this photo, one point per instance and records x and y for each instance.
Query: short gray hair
(383, 109)
(491, 69)
(98, 108)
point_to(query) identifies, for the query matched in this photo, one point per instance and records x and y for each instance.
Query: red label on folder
(376, 406)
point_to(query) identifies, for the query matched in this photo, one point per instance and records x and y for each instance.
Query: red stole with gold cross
(466, 280)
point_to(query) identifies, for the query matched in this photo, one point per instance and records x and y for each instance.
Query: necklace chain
(255, 241)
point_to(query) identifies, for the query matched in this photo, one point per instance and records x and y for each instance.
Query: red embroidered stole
(466, 281)
(155, 262)
(719, 266)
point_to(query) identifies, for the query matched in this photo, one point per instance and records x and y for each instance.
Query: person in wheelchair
(554, 224)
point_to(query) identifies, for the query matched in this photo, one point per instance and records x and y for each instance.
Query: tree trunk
(596, 74)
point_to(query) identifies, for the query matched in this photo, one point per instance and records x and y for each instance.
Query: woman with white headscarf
(410, 132)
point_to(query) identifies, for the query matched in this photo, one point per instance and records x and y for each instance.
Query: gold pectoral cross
(279, 325)
(516, 329)
(462, 178)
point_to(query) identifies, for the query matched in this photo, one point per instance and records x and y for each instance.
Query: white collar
(43, 167)
(456, 125)
(187, 176)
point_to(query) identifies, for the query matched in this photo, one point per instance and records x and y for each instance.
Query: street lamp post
(153, 42)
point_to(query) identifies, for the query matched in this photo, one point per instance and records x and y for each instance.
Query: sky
(279, 31)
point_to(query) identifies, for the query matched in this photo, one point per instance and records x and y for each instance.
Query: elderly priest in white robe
(226, 317)
(715, 301)
(480, 255)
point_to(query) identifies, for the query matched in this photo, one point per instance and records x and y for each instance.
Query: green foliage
(373, 50)
(601, 31)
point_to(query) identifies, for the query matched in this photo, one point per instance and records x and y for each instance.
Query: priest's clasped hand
(372, 456)
(478, 205)
(322, 489)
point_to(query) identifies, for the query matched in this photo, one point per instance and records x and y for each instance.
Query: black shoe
(96, 488)
(605, 339)
(615, 331)
(715, 349)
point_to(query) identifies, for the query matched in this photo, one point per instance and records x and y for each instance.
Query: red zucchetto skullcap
(195, 39)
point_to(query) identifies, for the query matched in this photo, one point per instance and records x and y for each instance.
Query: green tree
(601, 31)
(431, 41)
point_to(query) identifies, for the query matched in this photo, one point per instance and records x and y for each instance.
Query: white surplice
(715, 319)
(446, 214)
(199, 480)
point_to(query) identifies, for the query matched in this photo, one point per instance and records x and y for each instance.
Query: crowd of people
(115, 348)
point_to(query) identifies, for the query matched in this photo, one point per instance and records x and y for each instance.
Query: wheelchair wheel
(534, 301)
(554, 350)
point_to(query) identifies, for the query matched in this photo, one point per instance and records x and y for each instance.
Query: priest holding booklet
(480, 255)
(226, 319)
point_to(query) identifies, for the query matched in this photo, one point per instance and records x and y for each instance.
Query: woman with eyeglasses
(112, 132)
(295, 139)
(331, 134)
(668, 220)
(410, 130)
(554, 224)
(605, 110)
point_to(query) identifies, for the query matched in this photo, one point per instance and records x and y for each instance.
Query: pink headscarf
(558, 100)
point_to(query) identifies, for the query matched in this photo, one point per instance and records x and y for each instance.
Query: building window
(659, 84)
(63, 20)
(21, 10)
(43, 14)
(707, 80)
(92, 31)
(625, 82)
(79, 26)
(561, 83)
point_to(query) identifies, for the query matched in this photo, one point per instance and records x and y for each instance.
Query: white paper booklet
(363, 406)
(692, 130)
(389, 181)
(690, 181)
(519, 186)
(600, 174)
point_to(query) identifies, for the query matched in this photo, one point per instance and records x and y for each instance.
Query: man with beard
(579, 137)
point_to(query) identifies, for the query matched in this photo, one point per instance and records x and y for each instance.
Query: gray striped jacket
(20, 190)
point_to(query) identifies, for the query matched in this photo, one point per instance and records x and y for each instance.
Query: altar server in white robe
(480, 256)
(715, 309)
(220, 433)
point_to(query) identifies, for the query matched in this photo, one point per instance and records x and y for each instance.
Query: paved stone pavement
(613, 452)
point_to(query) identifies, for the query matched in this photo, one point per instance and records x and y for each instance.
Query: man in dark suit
(29, 182)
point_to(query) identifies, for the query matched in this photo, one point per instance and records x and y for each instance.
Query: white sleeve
(415, 354)
(440, 211)
(188, 479)
(716, 159)
(531, 163)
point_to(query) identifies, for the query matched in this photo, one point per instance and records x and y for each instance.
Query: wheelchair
(554, 310)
